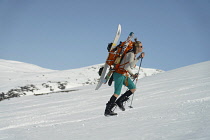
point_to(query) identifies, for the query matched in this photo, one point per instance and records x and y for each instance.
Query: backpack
(115, 55)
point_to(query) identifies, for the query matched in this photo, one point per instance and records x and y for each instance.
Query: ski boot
(108, 110)
(124, 97)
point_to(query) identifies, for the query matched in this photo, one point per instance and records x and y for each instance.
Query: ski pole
(135, 83)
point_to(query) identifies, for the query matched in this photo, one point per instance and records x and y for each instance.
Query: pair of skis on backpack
(114, 57)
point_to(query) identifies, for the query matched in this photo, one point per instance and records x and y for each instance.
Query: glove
(141, 56)
(135, 75)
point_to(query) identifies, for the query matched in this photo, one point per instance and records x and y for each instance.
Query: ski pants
(119, 81)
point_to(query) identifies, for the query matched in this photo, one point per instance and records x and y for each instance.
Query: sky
(68, 34)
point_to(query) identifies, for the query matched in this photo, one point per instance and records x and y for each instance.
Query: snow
(173, 105)
(16, 76)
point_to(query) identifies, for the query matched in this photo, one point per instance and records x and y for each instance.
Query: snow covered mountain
(174, 105)
(18, 78)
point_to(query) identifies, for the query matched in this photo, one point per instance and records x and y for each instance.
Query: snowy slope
(173, 105)
(27, 79)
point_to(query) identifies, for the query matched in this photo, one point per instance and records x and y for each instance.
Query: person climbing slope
(121, 77)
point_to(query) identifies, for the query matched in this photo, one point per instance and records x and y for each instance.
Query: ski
(107, 77)
(114, 43)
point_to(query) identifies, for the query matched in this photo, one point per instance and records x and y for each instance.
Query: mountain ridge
(19, 78)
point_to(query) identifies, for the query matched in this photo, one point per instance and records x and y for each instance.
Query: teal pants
(119, 81)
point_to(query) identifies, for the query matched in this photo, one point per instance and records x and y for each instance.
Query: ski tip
(119, 27)
(97, 87)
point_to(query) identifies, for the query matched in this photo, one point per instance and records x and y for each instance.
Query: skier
(121, 77)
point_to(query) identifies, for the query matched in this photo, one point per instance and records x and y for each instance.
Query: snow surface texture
(18, 78)
(173, 105)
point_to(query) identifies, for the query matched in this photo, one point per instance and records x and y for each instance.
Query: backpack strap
(118, 68)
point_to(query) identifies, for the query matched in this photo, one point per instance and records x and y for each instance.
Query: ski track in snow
(174, 105)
